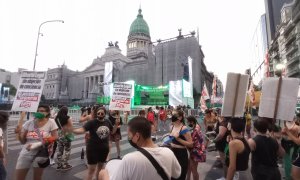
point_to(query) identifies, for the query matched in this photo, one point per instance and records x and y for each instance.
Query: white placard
(175, 93)
(186, 87)
(29, 91)
(230, 94)
(120, 99)
(108, 73)
(287, 98)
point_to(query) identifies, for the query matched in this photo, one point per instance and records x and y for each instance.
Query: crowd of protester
(50, 134)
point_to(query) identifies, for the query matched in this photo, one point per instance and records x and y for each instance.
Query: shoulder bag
(158, 168)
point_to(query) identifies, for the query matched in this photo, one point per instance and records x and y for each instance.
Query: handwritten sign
(29, 91)
(120, 99)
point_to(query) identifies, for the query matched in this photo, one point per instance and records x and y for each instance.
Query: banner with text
(120, 99)
(29, 91)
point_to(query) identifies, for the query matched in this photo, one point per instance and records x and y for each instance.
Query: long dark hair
(192, 119)
(62, 115)
(3, 119)
(180, 113)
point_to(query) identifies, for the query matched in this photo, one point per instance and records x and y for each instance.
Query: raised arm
(21, 136)
(79, 131)
(222, 132)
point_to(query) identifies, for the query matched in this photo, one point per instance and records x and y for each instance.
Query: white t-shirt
(32, 136)
(136, 166)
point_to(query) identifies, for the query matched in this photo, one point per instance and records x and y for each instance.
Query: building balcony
(291, 38)
(294, 72)
(293, 60)
(275, 55)
(293, 48)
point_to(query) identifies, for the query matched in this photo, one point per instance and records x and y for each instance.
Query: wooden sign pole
(277, 99)
(236, 94)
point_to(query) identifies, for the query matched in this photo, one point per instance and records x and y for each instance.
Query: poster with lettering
(29, 91)
(120, 99)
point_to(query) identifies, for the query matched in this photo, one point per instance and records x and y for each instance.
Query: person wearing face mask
(33, 135)
(197, 152)
(135, 165)
(182, 140)
(97, 146)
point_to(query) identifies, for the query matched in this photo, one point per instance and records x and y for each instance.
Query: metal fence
(75, 114)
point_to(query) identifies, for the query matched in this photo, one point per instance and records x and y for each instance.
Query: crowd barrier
(75, 114)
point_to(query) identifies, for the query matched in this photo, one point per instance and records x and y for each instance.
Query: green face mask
(39, 115)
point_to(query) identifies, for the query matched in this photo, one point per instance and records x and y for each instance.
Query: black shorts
(96, 154)
(182, 157)
(220, 145)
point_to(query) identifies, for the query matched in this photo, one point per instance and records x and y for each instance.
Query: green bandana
(39, 115)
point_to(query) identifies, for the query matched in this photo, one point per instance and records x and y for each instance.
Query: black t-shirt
(113, 122)
(99, 132)
(265, 152)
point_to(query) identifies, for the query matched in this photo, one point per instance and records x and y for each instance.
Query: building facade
(259, 46)
(285, 47)
(273, 16)
(10, 77)
(146, 62)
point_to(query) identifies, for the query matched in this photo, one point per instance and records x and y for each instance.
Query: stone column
(90, 83)
(96, 82)
(84, 88)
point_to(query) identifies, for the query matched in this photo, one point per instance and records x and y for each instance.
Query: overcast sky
(226, 28)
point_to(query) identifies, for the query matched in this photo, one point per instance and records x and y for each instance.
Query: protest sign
(279, 98)
(29, 91)
(120, 99)
(235, 95)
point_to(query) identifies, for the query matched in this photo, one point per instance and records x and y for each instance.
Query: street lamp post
(38, 37)
(279, 68)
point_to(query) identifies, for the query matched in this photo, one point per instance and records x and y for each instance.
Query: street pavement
(206, 170)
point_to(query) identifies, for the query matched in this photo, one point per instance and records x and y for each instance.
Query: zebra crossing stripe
(14, 144)
(77, 161)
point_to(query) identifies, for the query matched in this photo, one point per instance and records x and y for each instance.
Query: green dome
(139, 26)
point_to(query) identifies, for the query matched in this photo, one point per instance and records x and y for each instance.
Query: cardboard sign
(120, 99)
(235, 95)
(29, 91)
(286, 99)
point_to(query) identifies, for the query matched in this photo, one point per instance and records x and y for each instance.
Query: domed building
(139, 40)
(146, 62)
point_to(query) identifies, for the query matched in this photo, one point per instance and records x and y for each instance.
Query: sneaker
(52, 161)
(222, 178)
(58, 168)
(66, 167)
(236, 176)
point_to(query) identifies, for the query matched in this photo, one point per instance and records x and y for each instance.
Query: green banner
(151, 95)
(103, 100)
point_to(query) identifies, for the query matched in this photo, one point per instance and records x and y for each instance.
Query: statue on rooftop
(116, 44)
